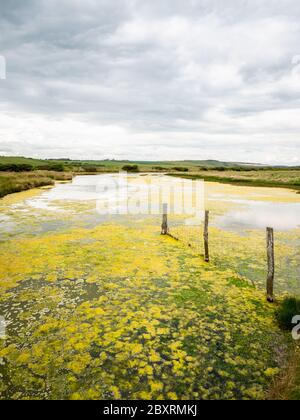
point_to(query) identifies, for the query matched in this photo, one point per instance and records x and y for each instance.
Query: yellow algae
(20, 196)
(159, 321)
(271, 371)
(92, 307)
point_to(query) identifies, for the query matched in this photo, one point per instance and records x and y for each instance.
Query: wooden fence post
(164, 226)
(271, 264)
(205, 235)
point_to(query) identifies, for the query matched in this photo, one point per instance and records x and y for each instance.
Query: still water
(89, 200)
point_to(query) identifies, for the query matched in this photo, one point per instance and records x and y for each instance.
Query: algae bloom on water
(101, 308)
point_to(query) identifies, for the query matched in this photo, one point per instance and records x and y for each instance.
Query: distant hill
(19, 160)
(112, 164)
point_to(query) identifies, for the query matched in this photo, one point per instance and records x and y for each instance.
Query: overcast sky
(151, 79)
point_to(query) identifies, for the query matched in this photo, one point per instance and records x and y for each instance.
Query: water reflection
(259, 214)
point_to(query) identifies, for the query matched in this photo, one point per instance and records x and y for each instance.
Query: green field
(112, 165)
(193, 166)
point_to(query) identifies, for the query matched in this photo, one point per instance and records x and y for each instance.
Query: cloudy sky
(151, 79)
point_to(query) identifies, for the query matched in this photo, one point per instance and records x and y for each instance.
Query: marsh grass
(12, 182)
(287, 385)
(256, 178)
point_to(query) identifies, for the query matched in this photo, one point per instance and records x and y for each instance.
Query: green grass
(287, 385)
(256, 178)
(19, 160)
(12, 182)
(295, 393)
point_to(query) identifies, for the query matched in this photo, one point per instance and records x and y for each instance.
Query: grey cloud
(195, 68)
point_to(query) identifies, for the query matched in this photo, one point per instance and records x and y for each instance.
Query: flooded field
(101, 305)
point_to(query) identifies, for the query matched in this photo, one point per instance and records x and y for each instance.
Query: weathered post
(164, 226)
(271, 264)
(205, 234)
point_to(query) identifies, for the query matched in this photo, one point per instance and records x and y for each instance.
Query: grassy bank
(287, 385)
(256, 178)
(12, 182)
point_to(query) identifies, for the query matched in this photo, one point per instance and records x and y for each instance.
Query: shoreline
(49, 180)
(15, 182)
(239, 182)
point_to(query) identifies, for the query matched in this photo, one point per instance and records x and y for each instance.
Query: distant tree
(180, 169)
(57, 167)
(89, 168)
(16, 167)
(130, 168)
(159, 168)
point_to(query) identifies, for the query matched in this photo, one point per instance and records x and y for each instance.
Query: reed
(12, 182)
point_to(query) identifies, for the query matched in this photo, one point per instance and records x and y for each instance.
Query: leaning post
(271, 264)
(205, 234)
(164, 226)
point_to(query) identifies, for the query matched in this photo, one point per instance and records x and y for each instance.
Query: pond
(91, 294)
(93, 199)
